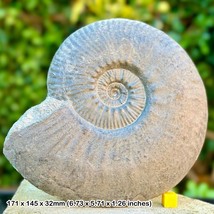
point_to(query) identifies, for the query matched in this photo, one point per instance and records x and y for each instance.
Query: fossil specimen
(125, 116)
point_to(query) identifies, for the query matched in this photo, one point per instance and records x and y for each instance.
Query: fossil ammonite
(125, 116)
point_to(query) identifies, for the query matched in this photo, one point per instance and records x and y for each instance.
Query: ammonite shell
(125, 116)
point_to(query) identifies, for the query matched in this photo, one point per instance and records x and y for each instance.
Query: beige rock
(27, 192)
(125, 116)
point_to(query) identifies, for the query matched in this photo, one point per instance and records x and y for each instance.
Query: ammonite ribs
(125, 116)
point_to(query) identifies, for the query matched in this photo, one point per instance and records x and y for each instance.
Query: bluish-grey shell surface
(125, 116)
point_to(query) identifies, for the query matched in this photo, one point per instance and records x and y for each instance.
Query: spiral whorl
(116, 99)
(102, 81)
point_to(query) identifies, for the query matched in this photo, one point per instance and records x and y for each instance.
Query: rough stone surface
(27, 192)
(125, 116)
